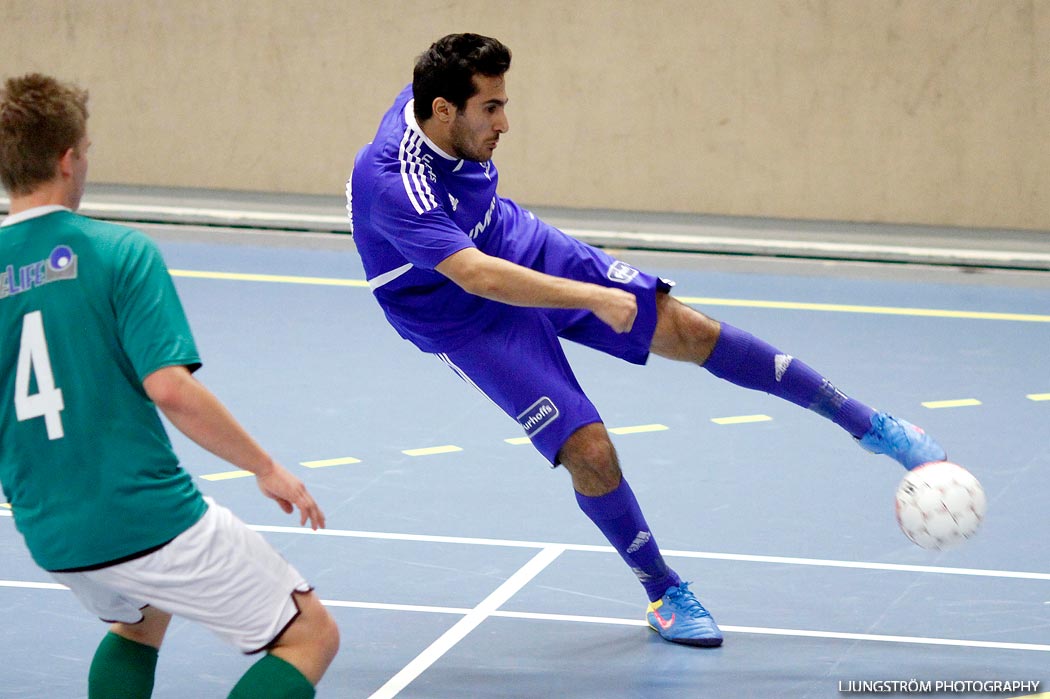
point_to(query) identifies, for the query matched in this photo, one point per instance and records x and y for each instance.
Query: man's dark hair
(448, 67)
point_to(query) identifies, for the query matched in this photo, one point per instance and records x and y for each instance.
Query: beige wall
(925, 111)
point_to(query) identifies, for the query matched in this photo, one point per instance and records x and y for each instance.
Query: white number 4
(34, 359)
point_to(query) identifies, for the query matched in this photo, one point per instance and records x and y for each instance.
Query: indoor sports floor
(458, 565)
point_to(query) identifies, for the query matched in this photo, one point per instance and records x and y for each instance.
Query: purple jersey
(411, 205)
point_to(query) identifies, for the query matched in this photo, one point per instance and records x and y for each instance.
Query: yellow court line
(330, 462)
(428, 451)
(279, 278)
(880, 310)
(226, 475)
(961, 403)
(5, 504)
(1044, 695)
(699, 300)
(636, 429)
(1038, 396)
(517, 440)
(740, 419)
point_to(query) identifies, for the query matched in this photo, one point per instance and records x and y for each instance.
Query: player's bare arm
(499, 280)
(198, 414)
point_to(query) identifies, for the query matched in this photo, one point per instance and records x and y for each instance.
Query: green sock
(273, 678)
(122, 669)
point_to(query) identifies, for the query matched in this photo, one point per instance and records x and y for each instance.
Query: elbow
(166, 387)
(484, 283)
(475, 272)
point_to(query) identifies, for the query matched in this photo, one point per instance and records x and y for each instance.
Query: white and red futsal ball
(940, 505)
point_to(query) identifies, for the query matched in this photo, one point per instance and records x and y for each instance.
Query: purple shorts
(518, 361)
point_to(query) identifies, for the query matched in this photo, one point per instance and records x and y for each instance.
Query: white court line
(395, 607)
(749, 558)
(997, 645)
(467, 624)
(757, 630)
(804, 633)
(32, 585)
(617, 621)
(863, 565)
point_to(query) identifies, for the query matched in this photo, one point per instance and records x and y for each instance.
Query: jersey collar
(35, 212)
(410, 121)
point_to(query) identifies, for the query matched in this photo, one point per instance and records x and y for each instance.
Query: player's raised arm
(198, 414)
(500, 280)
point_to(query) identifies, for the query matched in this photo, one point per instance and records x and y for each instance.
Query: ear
(65, 163)
(444, 110)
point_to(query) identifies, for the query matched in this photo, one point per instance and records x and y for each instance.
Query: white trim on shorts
(218, 573)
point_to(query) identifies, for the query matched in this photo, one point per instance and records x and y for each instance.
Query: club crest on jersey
(621, 272)
(540, 414)
(60, 264)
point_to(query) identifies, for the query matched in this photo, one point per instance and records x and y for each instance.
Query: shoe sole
(694, 642)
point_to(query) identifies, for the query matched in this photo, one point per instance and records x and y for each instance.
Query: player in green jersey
(96, 341)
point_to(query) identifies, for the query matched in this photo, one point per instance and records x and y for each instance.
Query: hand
(617, 309)
(289, 492)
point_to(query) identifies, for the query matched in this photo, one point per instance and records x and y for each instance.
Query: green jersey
(87, 311)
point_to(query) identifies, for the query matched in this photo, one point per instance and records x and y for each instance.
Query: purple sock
(741, 358)
(620, 518)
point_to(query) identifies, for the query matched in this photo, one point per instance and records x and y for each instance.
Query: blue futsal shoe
(902, 441)
(680, 618)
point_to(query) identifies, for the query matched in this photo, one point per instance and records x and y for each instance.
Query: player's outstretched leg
(685, 334)
(743, 359)
(607, 499)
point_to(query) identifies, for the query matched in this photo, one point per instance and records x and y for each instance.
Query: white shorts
(218, 572)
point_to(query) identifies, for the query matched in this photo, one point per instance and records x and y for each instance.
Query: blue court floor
(458, 565)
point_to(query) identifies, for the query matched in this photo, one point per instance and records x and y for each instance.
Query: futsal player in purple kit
(480, 282)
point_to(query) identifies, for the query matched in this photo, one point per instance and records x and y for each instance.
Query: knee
(683, 333)
(590, 458)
